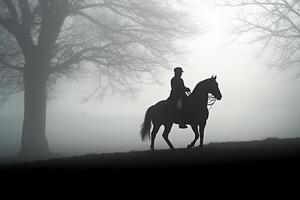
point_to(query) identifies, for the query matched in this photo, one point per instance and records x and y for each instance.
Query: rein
(211, 101)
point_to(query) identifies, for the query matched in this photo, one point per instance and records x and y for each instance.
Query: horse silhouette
(195, 113)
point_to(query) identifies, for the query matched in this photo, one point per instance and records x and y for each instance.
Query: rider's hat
(178, 69)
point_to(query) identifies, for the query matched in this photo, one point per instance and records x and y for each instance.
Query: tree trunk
(34, 141)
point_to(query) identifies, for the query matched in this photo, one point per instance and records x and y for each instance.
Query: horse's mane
(200, 84)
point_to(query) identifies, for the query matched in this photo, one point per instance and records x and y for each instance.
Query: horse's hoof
(189, 146)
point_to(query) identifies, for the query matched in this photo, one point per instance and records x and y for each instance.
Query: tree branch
(277, 24)
(6, 65)
(27, 17)
(12, 9)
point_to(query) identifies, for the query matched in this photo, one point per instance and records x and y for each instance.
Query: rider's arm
(186, 89)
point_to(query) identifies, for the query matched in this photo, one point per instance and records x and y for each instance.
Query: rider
(178, 93)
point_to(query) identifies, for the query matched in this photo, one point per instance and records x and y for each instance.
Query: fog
(258, 102)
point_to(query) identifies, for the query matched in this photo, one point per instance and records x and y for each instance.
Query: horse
(195, 113)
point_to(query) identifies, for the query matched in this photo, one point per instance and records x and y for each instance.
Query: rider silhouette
(178, 94)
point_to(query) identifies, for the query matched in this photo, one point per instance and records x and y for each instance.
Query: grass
(268, 151)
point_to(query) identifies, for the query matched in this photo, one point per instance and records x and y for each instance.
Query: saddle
(174, 108)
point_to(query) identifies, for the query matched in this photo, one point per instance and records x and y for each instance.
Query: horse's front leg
(195, 130)
(201, 130)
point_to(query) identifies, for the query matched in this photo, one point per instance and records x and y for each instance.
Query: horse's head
(213, 87)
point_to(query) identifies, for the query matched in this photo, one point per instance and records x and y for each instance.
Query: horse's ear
(212, 77)
(215, 77)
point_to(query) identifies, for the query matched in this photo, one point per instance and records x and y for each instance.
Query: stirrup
(182, 126)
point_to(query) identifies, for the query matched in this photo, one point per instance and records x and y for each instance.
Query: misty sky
(258, 102)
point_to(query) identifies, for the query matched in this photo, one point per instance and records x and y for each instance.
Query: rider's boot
(182, 124)
(180, 113)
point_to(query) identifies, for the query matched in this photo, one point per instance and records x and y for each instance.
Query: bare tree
(277, 24)
(43, 40)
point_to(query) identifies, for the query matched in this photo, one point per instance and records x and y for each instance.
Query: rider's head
(178, 71)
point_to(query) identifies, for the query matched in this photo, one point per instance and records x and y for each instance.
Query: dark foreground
(270, 166)
(276, 155)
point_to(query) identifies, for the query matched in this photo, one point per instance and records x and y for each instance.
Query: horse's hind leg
(201, 130)
(153, 135)
(195, 130)
(166, 132)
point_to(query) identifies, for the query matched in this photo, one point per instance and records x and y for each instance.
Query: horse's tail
(146, 126)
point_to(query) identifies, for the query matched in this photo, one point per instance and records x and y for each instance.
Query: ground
(230, 166)
(266, 154)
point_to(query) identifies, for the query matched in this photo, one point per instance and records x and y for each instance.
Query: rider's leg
(179, 106)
